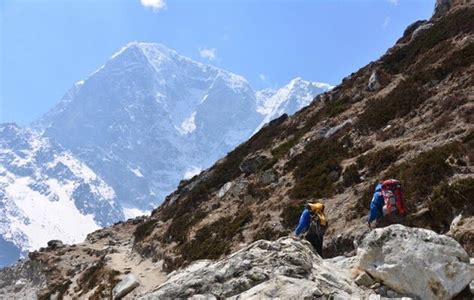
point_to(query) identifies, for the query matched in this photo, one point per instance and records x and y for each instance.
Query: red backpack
(393, 197)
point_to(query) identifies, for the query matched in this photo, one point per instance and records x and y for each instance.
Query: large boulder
(416, 262)
(284, 268)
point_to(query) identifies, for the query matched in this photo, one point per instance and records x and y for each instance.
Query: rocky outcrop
(416, 262)
(374, 82)
(285, 268)
(53, 244)
(253, 164)
(420, 29)
(125, 286)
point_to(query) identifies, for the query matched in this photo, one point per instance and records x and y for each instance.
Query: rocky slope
(150, 117)
(46, 193)
(407, 115)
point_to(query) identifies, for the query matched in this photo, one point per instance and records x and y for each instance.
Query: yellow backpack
(318, 209)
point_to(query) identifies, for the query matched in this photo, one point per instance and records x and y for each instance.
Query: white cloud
(387, 21)
(394, 2)
(208, 53)
(263, 77)
(156, 5)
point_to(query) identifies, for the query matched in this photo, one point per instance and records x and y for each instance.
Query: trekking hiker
(313, 221)
(388, 204)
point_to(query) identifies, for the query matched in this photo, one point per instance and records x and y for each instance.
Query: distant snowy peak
(46, 193)
(297, 94)
(163, 58)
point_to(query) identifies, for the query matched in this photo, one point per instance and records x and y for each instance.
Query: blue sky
(48, 45)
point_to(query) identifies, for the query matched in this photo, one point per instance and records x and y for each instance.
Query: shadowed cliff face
(408, 115)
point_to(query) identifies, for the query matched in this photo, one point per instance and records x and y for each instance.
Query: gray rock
(344, 262)
(224, 189)
(285, 268)
(420, 29)
(55, 244)
(364, 279)
(238, 187)
(332, 130)
(408, 260)
(253, 164)
(374, 82)
(125, 286)
(471, 287)
(269, 176)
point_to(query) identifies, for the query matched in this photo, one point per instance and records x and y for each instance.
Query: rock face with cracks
(416, 262)
(285, 268)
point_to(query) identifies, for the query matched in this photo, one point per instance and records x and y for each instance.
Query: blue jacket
(376, 205)
(305, 221)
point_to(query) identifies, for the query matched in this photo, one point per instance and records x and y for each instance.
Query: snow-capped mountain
(297, 94)
(46, 193)
(150, 117)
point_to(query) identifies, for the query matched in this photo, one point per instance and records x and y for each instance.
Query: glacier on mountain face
(45, 193)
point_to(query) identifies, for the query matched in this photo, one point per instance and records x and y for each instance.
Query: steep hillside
(408, 115)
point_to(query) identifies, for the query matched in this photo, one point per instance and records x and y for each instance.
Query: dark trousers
(317, 241)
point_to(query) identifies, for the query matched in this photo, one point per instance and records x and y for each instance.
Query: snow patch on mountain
(188, 125)
(297, 94)
(45, 193)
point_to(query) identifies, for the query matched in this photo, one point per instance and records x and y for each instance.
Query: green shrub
(449, 200)
(402, 100)
(377, 161)
(350, 176)
(214, 240)
(284, 148)
(317, 168)
(144, 229)
(180, 225)
(336, 107)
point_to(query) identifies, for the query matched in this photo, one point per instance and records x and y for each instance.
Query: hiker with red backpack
(388, 204)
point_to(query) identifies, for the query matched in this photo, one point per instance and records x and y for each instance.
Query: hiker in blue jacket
(313, 221)
(376, 205)
(381, 211)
